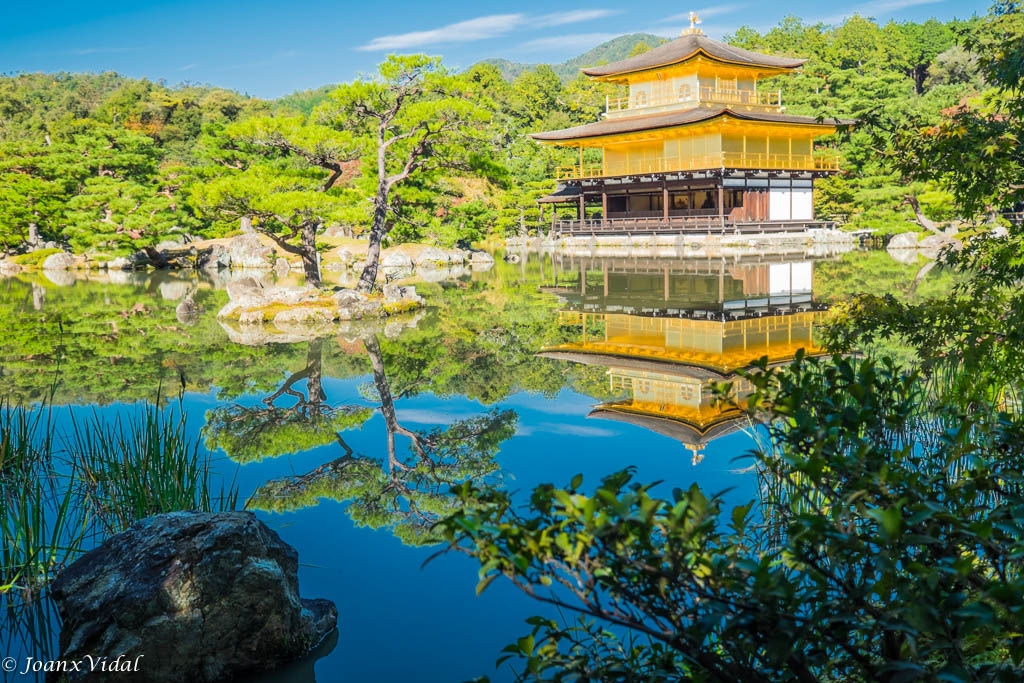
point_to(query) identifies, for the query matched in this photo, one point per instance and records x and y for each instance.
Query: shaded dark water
(528, 373)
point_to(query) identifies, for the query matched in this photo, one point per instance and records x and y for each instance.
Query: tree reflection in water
(406, 490)
(252, 433)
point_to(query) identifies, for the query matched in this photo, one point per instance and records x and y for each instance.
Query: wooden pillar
(554, 216)
(604, 266)
(583, 278)
(604, 204)
(666, 283)
(721, 202)
(664, 200)
(581, 210)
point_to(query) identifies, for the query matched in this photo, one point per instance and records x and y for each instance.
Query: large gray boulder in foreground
(188, 596)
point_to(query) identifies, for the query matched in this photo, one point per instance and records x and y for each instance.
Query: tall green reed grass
(60, 492)
(40, 524)
(142, 465)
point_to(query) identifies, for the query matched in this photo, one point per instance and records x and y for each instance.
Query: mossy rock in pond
(194, 596)
(34, 259)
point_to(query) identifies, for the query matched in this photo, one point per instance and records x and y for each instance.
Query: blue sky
(269, 49)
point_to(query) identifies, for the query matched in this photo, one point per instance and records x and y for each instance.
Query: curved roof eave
(686, 47)
(686, 117)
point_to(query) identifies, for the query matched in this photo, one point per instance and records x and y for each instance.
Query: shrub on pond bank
(883, 547)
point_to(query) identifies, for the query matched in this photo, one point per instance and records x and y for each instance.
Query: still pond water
(536, 370)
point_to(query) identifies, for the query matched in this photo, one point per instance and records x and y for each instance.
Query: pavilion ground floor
(713, 201)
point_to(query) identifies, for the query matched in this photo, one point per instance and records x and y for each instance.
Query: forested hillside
(109, 165)
(609, 51)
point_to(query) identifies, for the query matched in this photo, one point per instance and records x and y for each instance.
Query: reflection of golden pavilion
(716, 345)
(667, 356)
(707, 289)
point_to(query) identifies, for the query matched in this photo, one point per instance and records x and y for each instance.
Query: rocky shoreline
(257, 314)
(252, 252)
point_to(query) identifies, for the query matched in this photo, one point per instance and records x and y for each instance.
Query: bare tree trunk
(380, 380)
(310, 263)
(921, 218)
(387, 402)
(377, 232)
(155, 257)
(313, 374)
(314, 384)
(306, 250)
(38, 296)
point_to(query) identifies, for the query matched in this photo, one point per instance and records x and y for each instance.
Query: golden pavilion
(668, 334)
(698, 144)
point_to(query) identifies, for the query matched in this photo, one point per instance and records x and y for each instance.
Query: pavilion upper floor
(694, 71)
(698, 139)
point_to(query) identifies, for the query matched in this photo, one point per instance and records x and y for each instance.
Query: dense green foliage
(976, 149)
(882, 547)
(904, 74)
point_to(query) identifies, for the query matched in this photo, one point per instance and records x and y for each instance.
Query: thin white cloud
(875, 8)
(480, 28)
(102, 50)
(575, 16)
(708, 12)
(188, 67)
(564, 430)
(576, 41)
(893, 5)
(567, 403)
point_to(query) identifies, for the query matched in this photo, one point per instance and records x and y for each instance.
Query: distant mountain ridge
(611, 51)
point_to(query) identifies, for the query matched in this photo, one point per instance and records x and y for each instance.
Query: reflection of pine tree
(249, 434)
(408, 493)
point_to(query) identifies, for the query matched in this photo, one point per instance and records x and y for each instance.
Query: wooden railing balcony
(624, 106)
(679, 225)
(668, 164)
(1014, 217)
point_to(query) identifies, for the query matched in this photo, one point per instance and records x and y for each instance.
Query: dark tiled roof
(634, 124)
(563, 193)
(686, 46)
